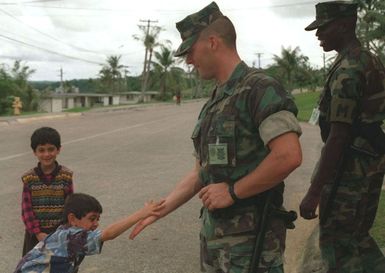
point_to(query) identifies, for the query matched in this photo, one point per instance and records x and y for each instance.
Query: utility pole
(61, 79)
(259, 59)
(126, 71)
(146, 66)
(324, 61)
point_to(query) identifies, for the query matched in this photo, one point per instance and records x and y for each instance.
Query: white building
(57, 102)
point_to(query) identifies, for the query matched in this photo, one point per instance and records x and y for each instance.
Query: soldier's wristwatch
(232, 193)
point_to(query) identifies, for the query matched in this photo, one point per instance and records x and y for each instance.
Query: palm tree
(150, 41)
(20, 73)
(165, 68)
(290, 62)
(111, 73)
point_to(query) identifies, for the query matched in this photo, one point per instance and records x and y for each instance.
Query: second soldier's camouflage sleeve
(346, 88)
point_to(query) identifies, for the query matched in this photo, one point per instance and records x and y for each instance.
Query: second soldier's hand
(309, 206)
(216, 196)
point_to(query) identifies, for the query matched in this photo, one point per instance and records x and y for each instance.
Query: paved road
(124, 158)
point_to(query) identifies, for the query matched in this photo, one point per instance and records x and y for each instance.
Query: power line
(77, 8)
(278, 6)
(48, 50)
(47, 35)
(27, 2)
(167, 11)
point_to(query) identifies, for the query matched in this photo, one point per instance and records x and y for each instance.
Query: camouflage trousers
(345, 242)
(227, 244)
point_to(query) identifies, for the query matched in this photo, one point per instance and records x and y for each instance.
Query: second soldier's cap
(191, 26)
(327, 12)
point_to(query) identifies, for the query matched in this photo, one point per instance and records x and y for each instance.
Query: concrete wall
(78, 102)
(51, 105)
(115, 100)
(57, 105)
(70, 103)
(105, 101)
(45, 105)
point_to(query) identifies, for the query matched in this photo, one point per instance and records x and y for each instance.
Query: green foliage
(166, 73)
(150, 41)
(133, 83)
(294, 71)
(78, 109)
(111, 75)
(15, 83)
(378, 231)
(305, 103)
(371, 25)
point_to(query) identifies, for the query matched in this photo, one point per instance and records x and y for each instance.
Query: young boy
(64, 250)
(45, 188)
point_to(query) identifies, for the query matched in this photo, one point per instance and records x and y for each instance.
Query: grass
(10, 113)
(305, 103)
(378, 230)
(77, 109)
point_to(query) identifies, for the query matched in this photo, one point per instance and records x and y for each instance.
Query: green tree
(111, 74)
(7, 89)
(20, 74)
(371, 25)
(14, 82)
(290, 64)
(166, 70)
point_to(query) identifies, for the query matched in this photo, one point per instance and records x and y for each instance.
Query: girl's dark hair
(45, 135)
(80, 204)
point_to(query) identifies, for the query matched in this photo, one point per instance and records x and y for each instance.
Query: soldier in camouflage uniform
(246, 142)
(351, 113)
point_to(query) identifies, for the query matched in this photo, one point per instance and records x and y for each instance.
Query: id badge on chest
(218, 153)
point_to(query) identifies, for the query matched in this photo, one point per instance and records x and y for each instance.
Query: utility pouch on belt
(374, 134)
(369, 139)
(288, 217)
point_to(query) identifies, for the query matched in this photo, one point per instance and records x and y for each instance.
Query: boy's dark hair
(80, 204)
(45, 135)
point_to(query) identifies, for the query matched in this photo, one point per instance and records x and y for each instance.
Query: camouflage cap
(191, 26)
(327, 12)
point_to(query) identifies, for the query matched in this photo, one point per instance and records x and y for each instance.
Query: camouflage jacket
(354, 93)
(226, 137)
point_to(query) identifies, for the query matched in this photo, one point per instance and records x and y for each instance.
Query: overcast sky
(78, 35)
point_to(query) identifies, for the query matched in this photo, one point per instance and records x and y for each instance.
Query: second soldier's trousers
(345, 242)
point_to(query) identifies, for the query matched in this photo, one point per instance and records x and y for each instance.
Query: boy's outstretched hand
(152, 211)
(152, 208)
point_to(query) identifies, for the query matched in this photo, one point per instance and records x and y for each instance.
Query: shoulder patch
(343, 110)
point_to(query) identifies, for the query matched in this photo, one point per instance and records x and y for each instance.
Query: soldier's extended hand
(308, 206)
(142, 224)
(216, 196)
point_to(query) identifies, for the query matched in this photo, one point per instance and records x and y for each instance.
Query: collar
(344, 52)
(354, 45)
(227, 89)
(43, 176)
(238, 73)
